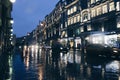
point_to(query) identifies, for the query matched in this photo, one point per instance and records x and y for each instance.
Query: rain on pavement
(43, 64)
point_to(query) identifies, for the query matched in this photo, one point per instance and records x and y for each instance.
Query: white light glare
(12, 21)
(12, 1)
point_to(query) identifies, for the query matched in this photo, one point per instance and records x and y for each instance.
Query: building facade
(80, 22)
(5, 25)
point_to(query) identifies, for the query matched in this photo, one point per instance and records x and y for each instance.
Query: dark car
(64, 49)
(58, 47)
(99, 50)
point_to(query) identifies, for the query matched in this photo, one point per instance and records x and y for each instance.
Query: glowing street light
(12, 1)
(12, 21)
(11, 30)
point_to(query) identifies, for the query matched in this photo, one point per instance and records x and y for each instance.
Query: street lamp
(11, 21)
(12, 1)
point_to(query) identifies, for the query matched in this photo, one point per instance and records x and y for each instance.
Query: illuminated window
(81, 29)
(118, 6)
(92, 1)
(71, 20)
(65, 24)
(111, 6)
(75, 8)
(104, 8)
(72, 10)
(61, 25)
(93, 13)
(68, 12)
(89, 28)
(78, 18)
(99, 11)
(75, 19)
(85, 17)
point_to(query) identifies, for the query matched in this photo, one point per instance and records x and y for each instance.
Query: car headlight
(115, 51)
(61, 48)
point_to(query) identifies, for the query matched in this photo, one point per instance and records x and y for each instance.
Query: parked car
(102, 50)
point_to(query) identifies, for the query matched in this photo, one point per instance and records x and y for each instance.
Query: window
(111, 6)
(81, 29)
(61, 25)
(78, 18)
(104, 8)
(68, 12)
(118, 6)
(75, 8)
(85, 17)
(54, 30)
(71, 20)
(75, 20)
(71, 10)
(78, 31)
(92, 1)
(99, 11)
(93, 13)
(89, 28)
(65, 24)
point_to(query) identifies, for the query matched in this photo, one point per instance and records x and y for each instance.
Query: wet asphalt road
(73, 65)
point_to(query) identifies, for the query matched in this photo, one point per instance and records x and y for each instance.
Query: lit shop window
(99, 11)
(118, 6)
(75, 19)
(104, 8)
(93, 13)
(75, 8)
(111, 6)
(81, 29)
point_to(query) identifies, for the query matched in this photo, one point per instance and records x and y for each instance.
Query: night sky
(27, 13)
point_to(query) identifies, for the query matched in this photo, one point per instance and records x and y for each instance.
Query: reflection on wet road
(73, 65)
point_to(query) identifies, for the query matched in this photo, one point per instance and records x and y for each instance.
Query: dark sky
(27, 13)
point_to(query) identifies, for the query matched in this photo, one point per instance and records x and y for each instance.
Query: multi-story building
(73, 9)
(79, 22)
(100, 22)
(5, 24)
(53, 23)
